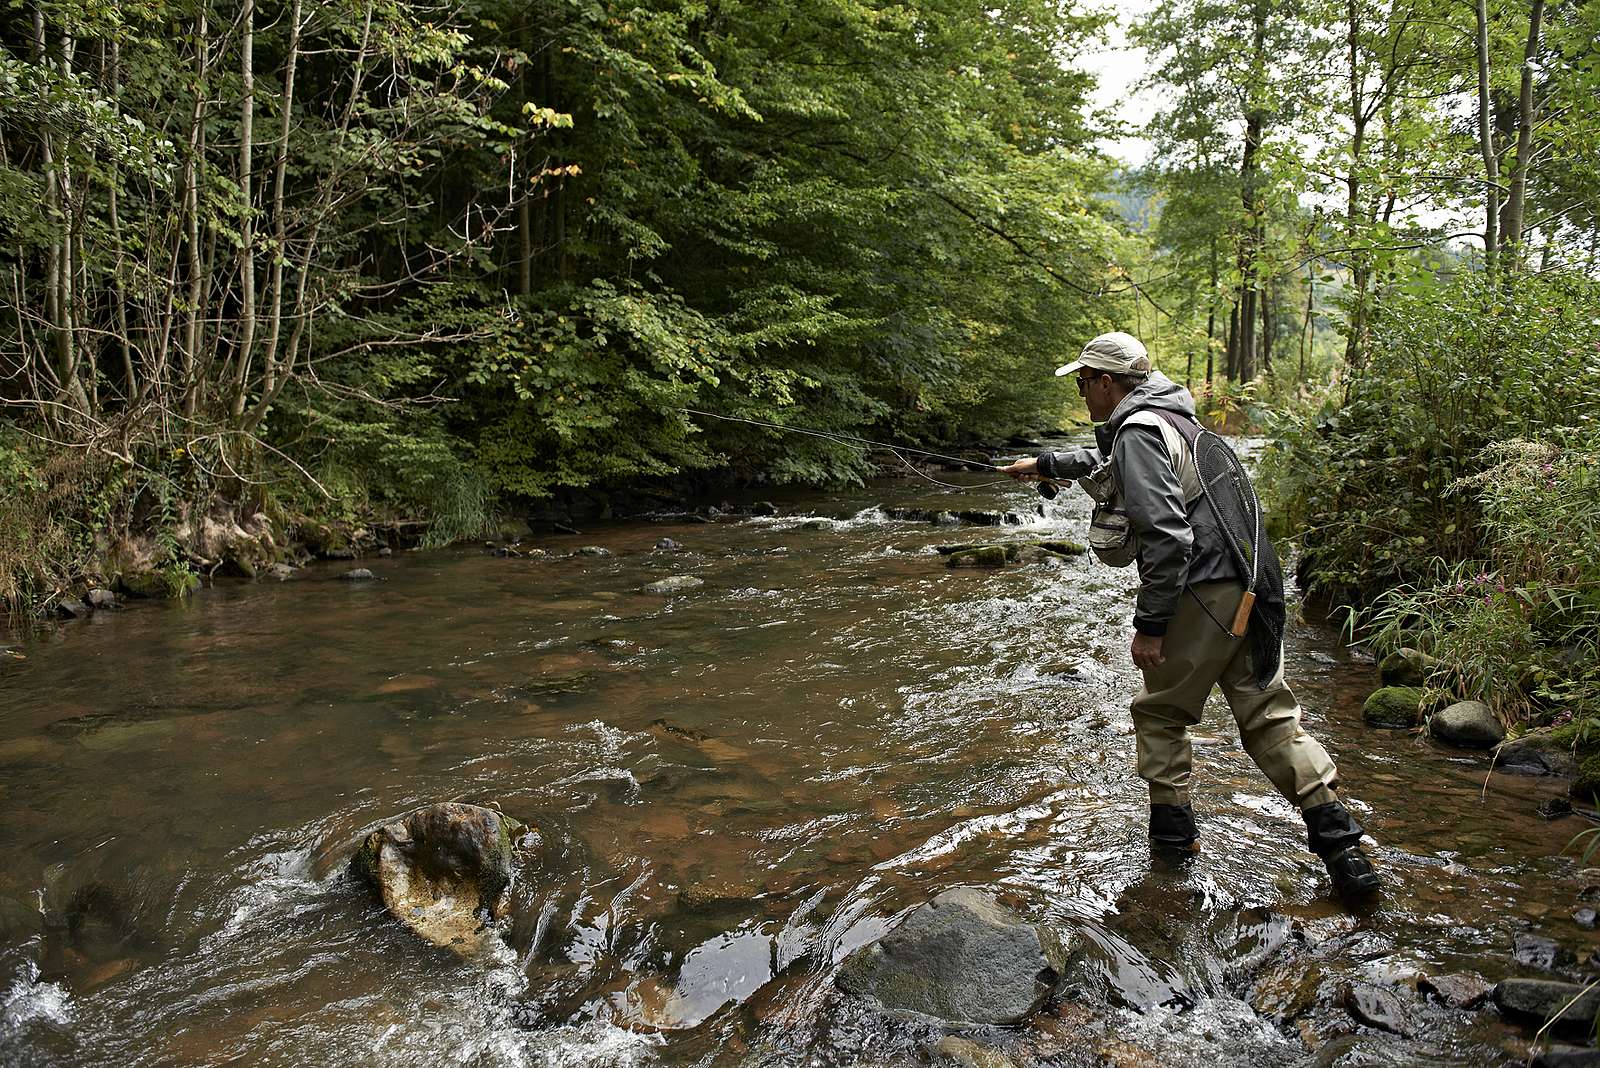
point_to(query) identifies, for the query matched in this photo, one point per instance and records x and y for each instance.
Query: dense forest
(350, 261)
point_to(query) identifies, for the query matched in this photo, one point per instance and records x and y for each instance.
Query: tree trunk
(247, 240)
(193, 168)
(1491, 164)
(1305, 331)
(119, 296)
(1211, 310)
(280, 234)
(1250, 245)
(1511, 236)
(1266, 329)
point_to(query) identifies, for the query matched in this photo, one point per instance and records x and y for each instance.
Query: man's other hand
(1026, 470)
(1146, 651)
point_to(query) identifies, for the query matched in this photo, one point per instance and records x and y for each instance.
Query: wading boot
(1172, 828)
(1335, 836)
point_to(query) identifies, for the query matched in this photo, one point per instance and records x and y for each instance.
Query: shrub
(1518, 626)
(1360, 473)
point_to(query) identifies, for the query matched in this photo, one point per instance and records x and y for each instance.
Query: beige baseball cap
(1116, 353)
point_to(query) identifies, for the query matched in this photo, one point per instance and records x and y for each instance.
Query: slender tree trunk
(1511, 238)
(1305, 331)
(524, 228)
(119, 296)
(247, 241)
(1211, 311)
(280, 233)
(1266, 329)
(193, 168)
(1491, 164)
(1250, 245)
(1231, 372)
(1360, 262)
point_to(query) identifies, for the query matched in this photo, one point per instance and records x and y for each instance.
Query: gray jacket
(1178, 545)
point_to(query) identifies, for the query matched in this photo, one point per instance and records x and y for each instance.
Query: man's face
(1096, 388)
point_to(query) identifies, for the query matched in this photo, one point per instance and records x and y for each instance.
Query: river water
(735, 786)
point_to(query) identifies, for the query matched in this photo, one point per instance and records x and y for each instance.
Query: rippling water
(736, 786)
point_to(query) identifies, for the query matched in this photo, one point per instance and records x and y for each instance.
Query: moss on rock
(982, 556)
(1404, 667)
(1394, 707)
(164, 583)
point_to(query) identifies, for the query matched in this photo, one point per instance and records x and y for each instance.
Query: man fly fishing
(1210, 606)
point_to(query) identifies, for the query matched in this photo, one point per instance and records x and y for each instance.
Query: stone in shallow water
(674, 584)
(1457, 990)
(1468, 724)
(1535, 753)
(1393, 706)
(1541, 1000)
(1377, 1007)
(1566, 1057)
(1537, 951)
(1405, 667)
(443, 872)
(968, 1054)
(962, 958)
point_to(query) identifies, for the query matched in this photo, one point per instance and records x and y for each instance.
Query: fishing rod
(1047, 489)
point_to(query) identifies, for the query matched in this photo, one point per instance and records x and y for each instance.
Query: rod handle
(1241, 618)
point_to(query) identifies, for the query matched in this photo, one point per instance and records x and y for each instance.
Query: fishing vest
(1111, 536)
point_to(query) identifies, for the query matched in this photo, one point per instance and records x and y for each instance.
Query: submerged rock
(668, 545)
(1376, 1007)
(359, 574)
(1393, 706)
(1468, 724)
(983, 556)
(968, 1054)
(1542, 1000)
(1559, 1056)
(1535, 753)
(1537, 951)
(1458, 990)
(443, 871)
(674, 584)
(72, 608)
(281, 572)
(594, 550)
(962, 958)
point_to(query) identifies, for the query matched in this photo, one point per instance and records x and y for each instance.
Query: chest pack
(1112, 538)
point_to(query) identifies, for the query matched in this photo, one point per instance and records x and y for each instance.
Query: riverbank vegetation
(352, 264)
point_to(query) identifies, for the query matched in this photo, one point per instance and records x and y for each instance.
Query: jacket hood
(1157, 391)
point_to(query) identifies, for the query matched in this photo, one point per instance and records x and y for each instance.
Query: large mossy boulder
(1468, 724)
(443, 871)
(962, 958)
(1393, 707)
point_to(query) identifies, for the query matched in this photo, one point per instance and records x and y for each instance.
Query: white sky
(1116, 66)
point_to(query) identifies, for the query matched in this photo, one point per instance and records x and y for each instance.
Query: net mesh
(1228, 490)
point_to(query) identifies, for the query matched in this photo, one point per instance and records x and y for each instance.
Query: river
(735, 785)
